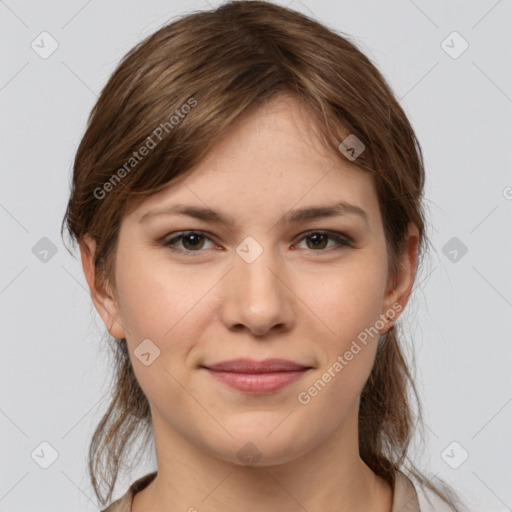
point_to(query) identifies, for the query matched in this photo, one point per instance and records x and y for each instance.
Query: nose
(257, 297)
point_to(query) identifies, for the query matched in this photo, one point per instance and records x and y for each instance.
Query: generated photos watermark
(304, 397)
(151, 142)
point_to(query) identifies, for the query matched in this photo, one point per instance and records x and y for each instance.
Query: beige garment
(405, 498)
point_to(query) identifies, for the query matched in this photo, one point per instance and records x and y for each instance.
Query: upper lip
(253, 366)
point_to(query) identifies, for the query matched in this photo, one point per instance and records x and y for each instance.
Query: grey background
(54, 368)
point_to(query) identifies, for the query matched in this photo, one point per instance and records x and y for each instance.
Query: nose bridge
(257, 297)
(254, 268)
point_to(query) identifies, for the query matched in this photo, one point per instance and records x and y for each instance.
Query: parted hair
(222, 63)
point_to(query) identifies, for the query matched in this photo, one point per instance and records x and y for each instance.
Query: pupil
(189, 237)
(193, 240)
(317, 239)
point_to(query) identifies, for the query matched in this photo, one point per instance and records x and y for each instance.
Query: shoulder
(410, 496)
(405, 497)
(124, 503)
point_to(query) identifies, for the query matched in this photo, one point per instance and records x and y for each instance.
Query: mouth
(257, 377)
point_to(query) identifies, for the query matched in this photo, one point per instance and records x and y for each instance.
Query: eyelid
(343, 240)
(176, 236)
(336, 235)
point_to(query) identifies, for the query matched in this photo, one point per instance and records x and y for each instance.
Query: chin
(259, 447)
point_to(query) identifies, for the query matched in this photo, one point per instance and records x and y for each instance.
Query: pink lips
(257, 376)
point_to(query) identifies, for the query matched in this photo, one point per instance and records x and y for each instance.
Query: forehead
(270, 159)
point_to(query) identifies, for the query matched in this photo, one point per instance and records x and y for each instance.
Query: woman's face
(272, 280)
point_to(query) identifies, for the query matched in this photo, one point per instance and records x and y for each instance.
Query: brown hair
(223, 63)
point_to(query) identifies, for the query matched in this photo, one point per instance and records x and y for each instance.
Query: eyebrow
(292, 217)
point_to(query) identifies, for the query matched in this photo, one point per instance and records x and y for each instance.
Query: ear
(400, 286)
(104, 301)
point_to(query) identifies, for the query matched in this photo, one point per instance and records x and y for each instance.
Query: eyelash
(342, 241)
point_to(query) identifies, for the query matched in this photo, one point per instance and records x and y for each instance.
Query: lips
(252, 366)
(257, 377)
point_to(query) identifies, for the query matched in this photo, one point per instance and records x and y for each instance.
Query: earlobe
(104, 301)
(401, 284)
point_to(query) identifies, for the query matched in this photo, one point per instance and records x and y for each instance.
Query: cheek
(347, 309)
(149, 298)
(142, 299)
(349, 301)
(163, 307)
(346, 353)
(167, 306)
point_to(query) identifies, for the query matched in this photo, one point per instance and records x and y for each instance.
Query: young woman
(247, 204)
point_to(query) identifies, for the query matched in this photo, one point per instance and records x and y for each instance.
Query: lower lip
(257, 382)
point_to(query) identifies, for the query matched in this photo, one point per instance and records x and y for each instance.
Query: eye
(193, 241)
(319, 239)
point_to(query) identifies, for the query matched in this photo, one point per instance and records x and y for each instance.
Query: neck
(329, 477)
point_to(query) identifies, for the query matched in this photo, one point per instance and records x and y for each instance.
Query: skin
(295, 301)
